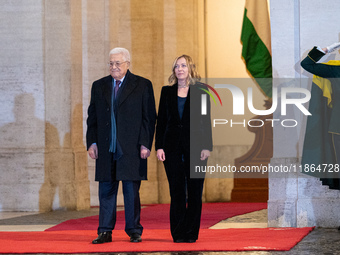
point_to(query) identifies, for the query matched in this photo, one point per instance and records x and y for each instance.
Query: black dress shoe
(135, 238)
(104, 237)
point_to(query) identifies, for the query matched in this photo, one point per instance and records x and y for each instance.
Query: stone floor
(320, 241)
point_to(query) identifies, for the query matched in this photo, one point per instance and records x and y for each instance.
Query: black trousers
(108, 205)
(186, 197)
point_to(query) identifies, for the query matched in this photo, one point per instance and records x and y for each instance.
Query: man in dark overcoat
(120, 129)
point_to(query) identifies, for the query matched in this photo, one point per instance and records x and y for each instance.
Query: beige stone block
(218, 186)
(218, 190)
(20, 166)
(19, 197)
(26, 131)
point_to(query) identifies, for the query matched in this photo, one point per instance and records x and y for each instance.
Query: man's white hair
(123, 51)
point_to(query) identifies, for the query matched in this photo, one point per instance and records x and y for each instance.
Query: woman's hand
(205, 154)
(160, 154)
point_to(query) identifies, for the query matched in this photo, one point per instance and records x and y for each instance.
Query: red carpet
(212, 213)
(79, 241)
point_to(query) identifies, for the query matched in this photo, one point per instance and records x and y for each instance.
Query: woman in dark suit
(179, 107)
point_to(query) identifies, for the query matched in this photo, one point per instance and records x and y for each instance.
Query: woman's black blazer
(193, 131)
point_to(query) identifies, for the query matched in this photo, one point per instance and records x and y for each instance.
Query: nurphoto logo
(289, 96)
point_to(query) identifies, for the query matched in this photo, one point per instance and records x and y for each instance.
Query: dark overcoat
(135, 122)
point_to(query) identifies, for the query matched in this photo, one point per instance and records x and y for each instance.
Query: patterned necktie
(117, 87)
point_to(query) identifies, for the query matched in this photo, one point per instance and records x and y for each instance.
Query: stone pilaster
(65, 158)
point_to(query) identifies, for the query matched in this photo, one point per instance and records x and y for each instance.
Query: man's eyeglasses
(117, 64)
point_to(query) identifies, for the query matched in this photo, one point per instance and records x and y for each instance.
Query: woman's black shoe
(179, 241)
(190, 241)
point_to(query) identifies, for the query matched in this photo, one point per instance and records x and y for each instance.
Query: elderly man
(120, 128)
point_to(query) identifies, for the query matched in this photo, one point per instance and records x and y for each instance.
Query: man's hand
(144, 152)
(93, 151)
(205, 154)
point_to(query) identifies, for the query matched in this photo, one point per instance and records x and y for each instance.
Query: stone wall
(52, 51)
(43, 157)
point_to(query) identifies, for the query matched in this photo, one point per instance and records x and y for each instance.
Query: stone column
(66, 176)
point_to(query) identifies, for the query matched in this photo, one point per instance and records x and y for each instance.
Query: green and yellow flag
(255, 38)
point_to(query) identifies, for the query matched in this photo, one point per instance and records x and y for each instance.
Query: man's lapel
(107, 89)
(129, 84)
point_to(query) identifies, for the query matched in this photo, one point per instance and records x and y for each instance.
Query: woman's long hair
(193, 76)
